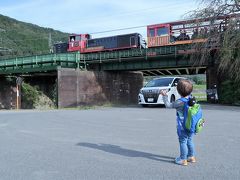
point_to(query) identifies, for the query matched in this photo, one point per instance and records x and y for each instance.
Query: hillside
(21, 39)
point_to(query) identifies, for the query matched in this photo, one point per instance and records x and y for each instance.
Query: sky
(93, 16)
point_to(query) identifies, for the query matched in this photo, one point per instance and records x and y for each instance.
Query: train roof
(116, 35)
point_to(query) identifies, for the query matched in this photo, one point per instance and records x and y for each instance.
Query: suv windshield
(159, 82)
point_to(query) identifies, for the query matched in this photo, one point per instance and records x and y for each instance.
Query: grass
(200, 92)
(199, 86)
(200, 97)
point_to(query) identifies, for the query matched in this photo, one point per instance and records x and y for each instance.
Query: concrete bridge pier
(8, 94)
(212, 83)
(77, 88)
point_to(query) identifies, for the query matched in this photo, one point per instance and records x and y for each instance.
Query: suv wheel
(172, 98)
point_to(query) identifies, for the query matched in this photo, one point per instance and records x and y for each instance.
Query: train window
(72, 38)
(77, 38)
(151, 32)
(162, 31)
(132, 41)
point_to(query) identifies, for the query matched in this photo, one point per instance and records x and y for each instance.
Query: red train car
(184, 32)
(85, 44)
(173, 33)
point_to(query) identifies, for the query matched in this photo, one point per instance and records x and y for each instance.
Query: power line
(121, 29)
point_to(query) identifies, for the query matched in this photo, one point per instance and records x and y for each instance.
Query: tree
(227, 40)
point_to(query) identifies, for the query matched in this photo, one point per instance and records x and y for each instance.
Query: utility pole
(2, 48)
(50, 42)
(18, 87)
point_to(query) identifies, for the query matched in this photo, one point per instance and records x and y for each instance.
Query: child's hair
(184, 87)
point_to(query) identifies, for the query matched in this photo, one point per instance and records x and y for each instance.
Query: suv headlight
(141, 91)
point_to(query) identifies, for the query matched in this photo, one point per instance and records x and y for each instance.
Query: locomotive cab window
(162, 31)
(77, 38)
(72, 38)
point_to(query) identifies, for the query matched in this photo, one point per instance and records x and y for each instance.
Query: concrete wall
(8, 94)
(211, 78)
(76, 88)
(212, 84)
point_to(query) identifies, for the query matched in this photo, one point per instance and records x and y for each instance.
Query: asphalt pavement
(111, 143)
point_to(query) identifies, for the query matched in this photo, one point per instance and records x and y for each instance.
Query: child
(187, 151)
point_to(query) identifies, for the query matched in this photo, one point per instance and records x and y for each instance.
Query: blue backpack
(193, 121)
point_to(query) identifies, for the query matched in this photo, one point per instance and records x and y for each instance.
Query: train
(85, 44)
(164, 34)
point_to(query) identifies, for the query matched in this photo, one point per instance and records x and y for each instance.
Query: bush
(199, 80)
(32, 98)
(44, 102)
(230, 92)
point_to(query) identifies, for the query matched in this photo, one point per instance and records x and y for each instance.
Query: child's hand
(163, 92)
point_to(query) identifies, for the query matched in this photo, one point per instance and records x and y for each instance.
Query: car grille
(150, 95)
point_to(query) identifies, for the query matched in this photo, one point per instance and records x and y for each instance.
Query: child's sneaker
(191, 159)
(181, 161)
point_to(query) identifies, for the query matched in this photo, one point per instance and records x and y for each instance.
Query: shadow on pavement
(126, 152)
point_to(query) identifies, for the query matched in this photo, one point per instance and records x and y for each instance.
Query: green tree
(228, 40)
(23, 39)
(223, 46)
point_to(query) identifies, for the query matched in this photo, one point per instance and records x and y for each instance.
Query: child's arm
(175, 104)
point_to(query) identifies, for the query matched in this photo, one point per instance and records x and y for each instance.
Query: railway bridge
(97, 78)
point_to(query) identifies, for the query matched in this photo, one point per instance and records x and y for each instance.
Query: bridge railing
(129, 54)
(44, 62)
(76, 60)
(39, 59)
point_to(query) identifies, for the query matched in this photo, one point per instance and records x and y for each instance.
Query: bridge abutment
(8, 94)
(212, 83)
(211, 77)
(77, 88)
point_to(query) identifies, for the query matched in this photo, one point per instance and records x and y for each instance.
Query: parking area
(115, 143)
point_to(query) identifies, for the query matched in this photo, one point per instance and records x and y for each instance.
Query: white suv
(150, 93)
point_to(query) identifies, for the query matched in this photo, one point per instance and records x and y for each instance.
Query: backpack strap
(183, 99)
(185, 110)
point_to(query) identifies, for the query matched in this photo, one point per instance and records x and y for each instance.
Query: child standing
(187, 151)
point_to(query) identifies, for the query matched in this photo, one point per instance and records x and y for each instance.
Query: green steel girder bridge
(166, 60)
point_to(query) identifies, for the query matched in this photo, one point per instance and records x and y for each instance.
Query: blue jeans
(186, 144)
